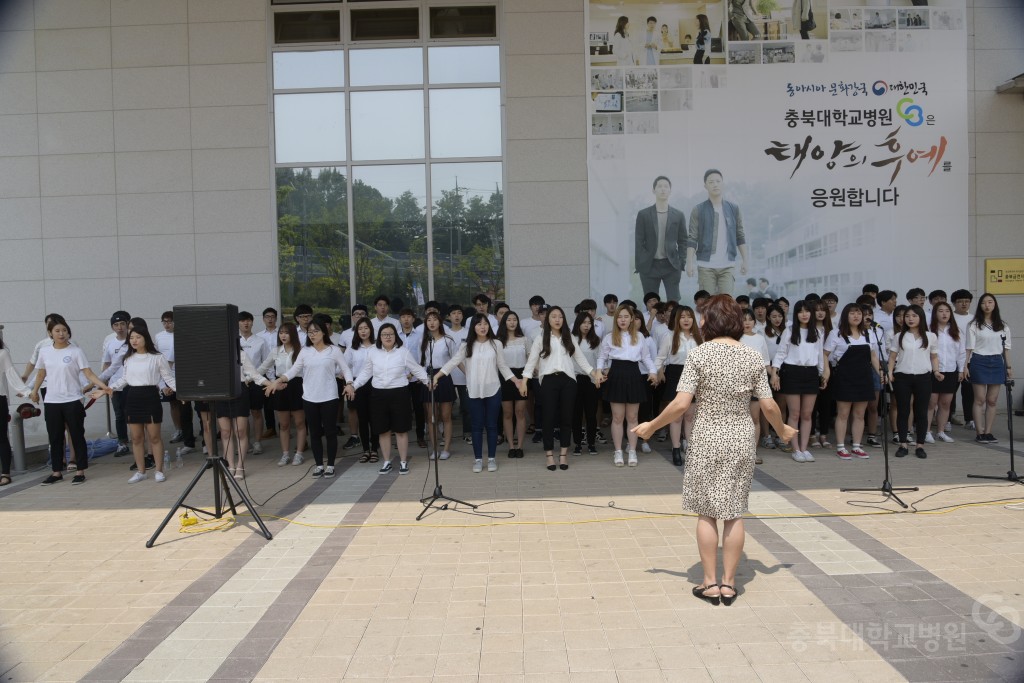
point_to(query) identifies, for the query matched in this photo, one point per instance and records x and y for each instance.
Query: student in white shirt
(164, 342)
(319, 363)
(551, 359)
(483, 361)
(269, 335)
(962, 299)
(755, 340)
(287, 403)
(585, 336)
(853, 358)
(952, 344)
(536, 319)
(988, 363)
(825, 318)
(359, 407)
(359, 312)
(799, 371)
(458, 332)
(115, 346)
(482, 304)
(388, 366)
(61, 366)
(303, 315)
(144, 368)
(256, 348)
(913, 356)
(516, 347)
(436, 349)
(381, 307)
(625, 357)
(611, 304)
(683, 338)
(29, 378)
(411, 340)
(876, 337)
(10, 385)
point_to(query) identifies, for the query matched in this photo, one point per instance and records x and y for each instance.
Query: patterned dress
(720, 461)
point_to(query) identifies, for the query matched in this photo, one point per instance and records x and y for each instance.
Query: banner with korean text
(779, 146)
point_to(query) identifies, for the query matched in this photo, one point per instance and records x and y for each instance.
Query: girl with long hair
(952, 343)
(823, 406)
(552, 360)
(516, 347)
(436, 349)
(703, 40)
(624, 358)
(622, 43)
(287, 404)
(988, 363)
(913, 356)
(483, 358)
(587, 395)
(683, 338)
(774, 331)
(799, 371)
(355, 356)
(849, 351)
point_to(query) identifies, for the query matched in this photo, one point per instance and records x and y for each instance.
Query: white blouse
(319, 370)
(665, 355)
(558, 360)
(517, 350)
(911, 359)
(589, 352)
(389, 369)
(9, 378)
(482, 368)
(985, 341)
(280, 360)
(457, 375)
(835, 345)
(145, 370)
(805, 354)
(757, 342)
(63, 368)
(355, 356)
(436, 354)
(952, 352)
(637, 353)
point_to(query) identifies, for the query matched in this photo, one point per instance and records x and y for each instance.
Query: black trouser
(6, 455)
(417, 409)
(362, 405)
(967, 398)
(464, 408)
(322, 421)
(538, 402)
(823, 409)
(919, 389)
(585, 408)
(558, 394)
(71, 417)
(120, 426)
(188, 431)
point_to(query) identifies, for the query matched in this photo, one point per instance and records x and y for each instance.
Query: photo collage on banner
(779, 146)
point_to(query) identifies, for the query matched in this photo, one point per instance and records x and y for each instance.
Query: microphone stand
(883, 405)
(431, 501)
(1011, 476)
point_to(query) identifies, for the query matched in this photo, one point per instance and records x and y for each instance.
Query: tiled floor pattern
(555, 594)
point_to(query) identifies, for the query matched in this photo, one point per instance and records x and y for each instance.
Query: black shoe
(677, 457)
(537, 437)
(591, 450)
(901, 451)
(78, 479)
(512, 453)
(727, 599)
(562, 465)
(991, 439)
(981, 438)
(698, 592)
(920, 453)
(150, 463)
(578, 450)
(53, 479)
(352, 442)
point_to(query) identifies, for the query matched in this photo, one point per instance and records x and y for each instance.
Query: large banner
(780, 146)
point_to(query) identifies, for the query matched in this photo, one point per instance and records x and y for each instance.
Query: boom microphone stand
(1011, 476)
(883, 404)
(431, 500)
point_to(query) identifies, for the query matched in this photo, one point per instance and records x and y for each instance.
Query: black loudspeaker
(206, 352)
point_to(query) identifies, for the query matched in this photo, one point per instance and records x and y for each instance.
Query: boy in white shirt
(269, 335)
(256, 349)
(115, 346)
(381, 307)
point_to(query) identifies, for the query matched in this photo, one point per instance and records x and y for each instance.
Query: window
(388, 157)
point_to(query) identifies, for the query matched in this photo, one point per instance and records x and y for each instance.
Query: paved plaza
(581, 575)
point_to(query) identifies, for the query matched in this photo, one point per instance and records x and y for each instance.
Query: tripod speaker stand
(430, 501)
(886, 488)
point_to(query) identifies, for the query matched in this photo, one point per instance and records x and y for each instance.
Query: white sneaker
(185, 450)
(944, 437)
(257, 448)
(432, 455)
(807, 456)
(159, 476)
(617, 459)
(285, 459)
(631, 459)
(928, 438)
(948, 427)
(137, 477)
(478, 464)
(797, 455)
(645, 447)
(444, 455)
(205, 451)
(297, 458)
(970, 425)
(492, 465)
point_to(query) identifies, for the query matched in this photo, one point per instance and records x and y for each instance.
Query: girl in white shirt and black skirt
(287, 403)
(551, 359)
(388, 367)
(799, 371)
(913, 360)
(952, 343)
(854, 362)
(517, 349)
(587, 396)
(988, 363)
(625, 358)
(436, 349)
(683, 338)
(359, 348)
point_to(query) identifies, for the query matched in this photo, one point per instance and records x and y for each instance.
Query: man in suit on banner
(660, 242)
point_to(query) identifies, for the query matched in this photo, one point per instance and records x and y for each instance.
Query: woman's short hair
(722, 317)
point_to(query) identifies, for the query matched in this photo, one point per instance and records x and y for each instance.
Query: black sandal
(698, 592)
(727, 599)
(5, 479)
(365, 457)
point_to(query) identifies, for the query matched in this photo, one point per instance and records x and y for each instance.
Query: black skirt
(853, 377)
(142, 405)
(799, 379)
(238, 407)
(256, 396)
(390, 410)
(289, 399)
(672, 375)
(625, 383)
(948, 385)
(509, 391)
(444, 393)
